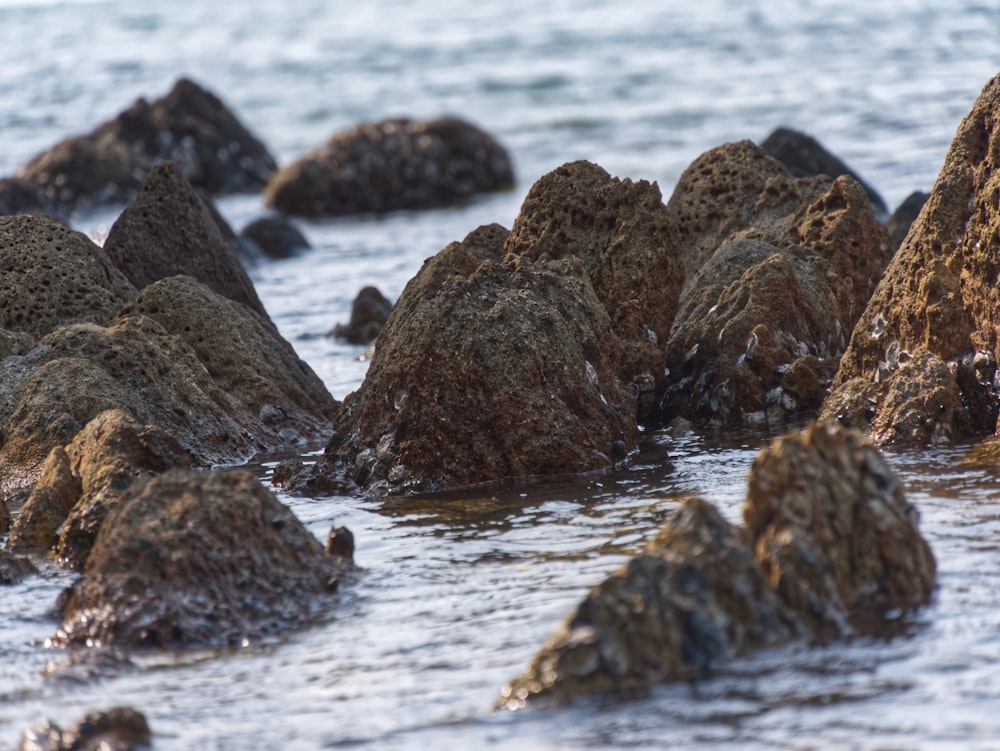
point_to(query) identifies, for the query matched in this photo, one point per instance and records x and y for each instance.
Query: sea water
(457, 593)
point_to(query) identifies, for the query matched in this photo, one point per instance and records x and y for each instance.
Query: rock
(829, 547)
(117, 729)
(389, 165)
(276, 237)
(4, 515)
(777, 269)
(206, 370)
(193, 558)
(834, 533)
(472, 335)
(168, 230)
(54, 276)
(20, 196)
(369, 312)
(804, 156)
(904, 216)
(938, 296)
(189, 126)
(58, 489)
(622, 234)
(14, 568)
(111, 452)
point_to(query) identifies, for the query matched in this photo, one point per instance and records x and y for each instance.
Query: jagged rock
(939, 295)
(53, 276)
(804, 156)
(14, 568)
(904, 216)
(276, 237)
(203, 558)
(117, 729)
(168, 230)
(486, 369)
(621, 232)
(189, 126)
(829, 547)
(58, 489)
(777, 269)
(369, 312)
(110, 453)
(392, 164)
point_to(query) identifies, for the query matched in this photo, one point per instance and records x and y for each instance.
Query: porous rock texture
(393, 164)
(936, 313)
(189, 126)
(197, 558)
(168, 230)
(777, 271)
(486, 369)
(620, 231)
(804, 156)
(829, 547)
(117, 729)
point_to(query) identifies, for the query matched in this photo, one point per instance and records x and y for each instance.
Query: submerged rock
(486, 369)
(804, 156)
(117, 729)
(275, 236)
(189, 126)
(194, 558)
(778, 269)
(168, 230)
(392, 164)
(829, 547)
(369, 312)
(936, 312)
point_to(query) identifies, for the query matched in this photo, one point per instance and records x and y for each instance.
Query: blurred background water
(459, 593)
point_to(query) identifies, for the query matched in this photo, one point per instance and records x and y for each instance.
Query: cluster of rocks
(837, 555)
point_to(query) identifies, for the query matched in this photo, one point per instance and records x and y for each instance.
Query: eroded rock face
(168, 230)
(53, 276)
(487, 369)
(778, 269)
(117, 729)
(189, 126)
(938, 296)
(392, 164)
(197, 558)
(829, 547)
(369, 312)
(622, 234)
(804, 156)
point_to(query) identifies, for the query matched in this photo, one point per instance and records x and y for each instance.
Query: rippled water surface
(458, 592)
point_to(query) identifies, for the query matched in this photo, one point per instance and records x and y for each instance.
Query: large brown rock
(51, 500)
(392, 164)
(53, 276)
(192, 558)
(168, 230)
(486, 369)
(939, 296)
(778, 269)
(829, 547)
(622, 234)
(189, 126)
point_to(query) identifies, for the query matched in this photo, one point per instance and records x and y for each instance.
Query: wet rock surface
(189, 126)
(804, 156)
(168, 230)
(829, 547)
(203, 558)
(392, 164)
(778, 270)
(117, 729)
(939, 296)
(369, 312)
(486, 369)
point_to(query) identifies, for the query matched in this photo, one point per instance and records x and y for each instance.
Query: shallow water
(458, 592)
